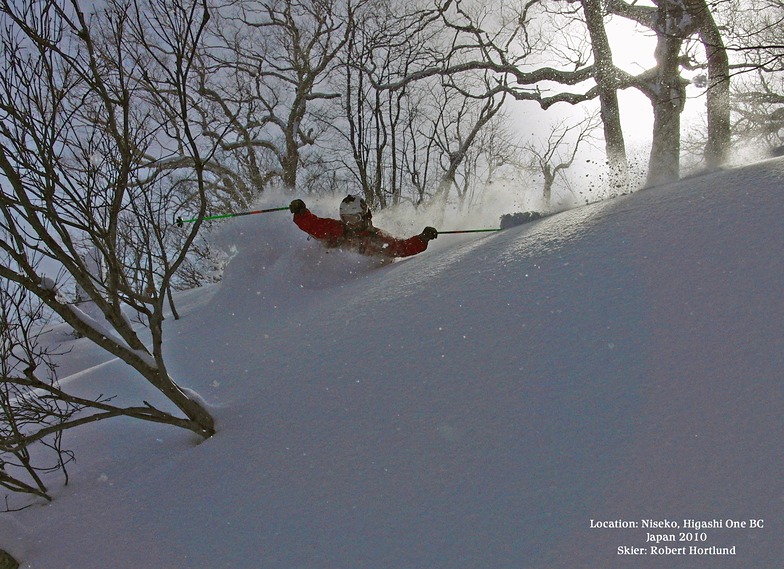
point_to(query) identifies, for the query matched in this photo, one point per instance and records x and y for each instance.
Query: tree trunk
(604, 75)
(668, 98)
(667, 92)
(549, 179)
(718, 94)
(289, 163)
(7, 561)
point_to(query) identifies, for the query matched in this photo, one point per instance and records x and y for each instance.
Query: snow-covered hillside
(497, 402)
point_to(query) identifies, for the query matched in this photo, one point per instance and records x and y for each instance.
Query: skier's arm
(318, 227)
(412, 245)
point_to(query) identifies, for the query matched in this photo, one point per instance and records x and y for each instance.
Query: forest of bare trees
(120, 116)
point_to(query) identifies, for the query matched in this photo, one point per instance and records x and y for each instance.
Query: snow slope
(476, 406)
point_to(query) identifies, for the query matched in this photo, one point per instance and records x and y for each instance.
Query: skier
(355, 230)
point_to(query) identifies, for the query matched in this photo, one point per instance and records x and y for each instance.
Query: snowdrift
(490, 403)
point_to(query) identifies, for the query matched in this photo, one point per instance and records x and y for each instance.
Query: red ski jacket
(367, 241)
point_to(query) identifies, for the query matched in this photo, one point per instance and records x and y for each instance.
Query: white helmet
(354, 211)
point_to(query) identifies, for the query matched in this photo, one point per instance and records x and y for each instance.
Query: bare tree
(753, 35)
(509, 45)
(457, 134)
(718, 84)
(372, 116)
(552, 157)
(264, 86)
(513, 44)
(95, 111)
(26, 415)
(758, 105)
(387, 156)
(606, 76)
(409, 139)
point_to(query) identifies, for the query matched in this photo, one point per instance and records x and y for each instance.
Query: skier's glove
(429, 233)
(297, 206)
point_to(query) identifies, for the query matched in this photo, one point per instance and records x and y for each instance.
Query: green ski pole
(468, 231)
(180, 221)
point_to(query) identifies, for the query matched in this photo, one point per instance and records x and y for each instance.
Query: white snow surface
(475, 406)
